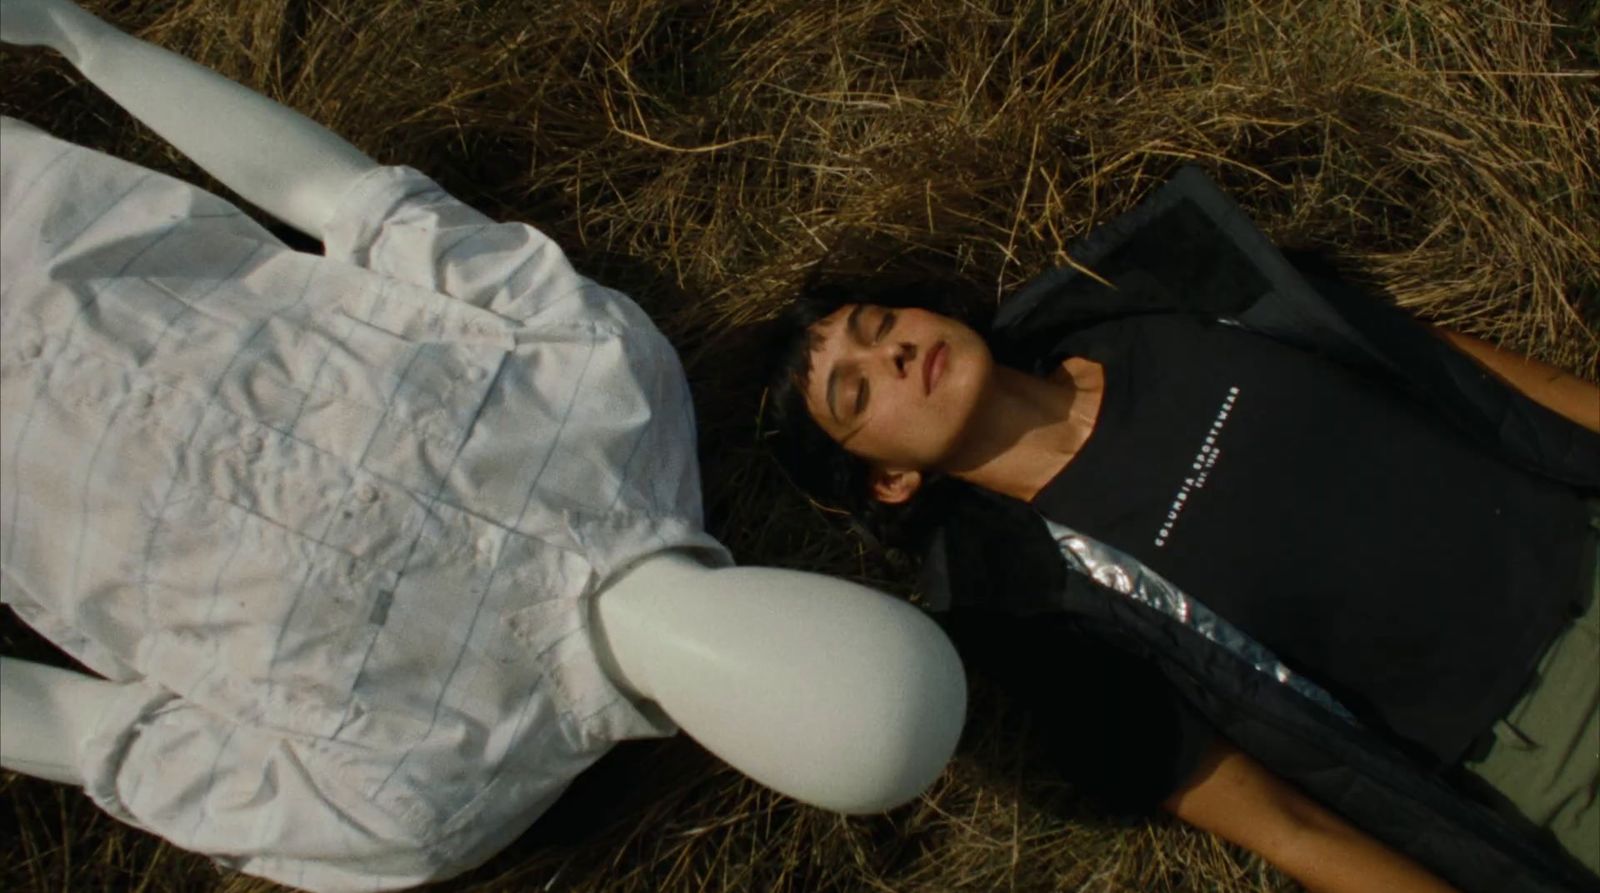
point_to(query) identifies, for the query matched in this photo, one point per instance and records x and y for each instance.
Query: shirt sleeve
(1106, 721)
(398, 222)
(254, 801)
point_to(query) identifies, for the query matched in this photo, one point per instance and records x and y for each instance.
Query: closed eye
(885, 323)
(861, 397)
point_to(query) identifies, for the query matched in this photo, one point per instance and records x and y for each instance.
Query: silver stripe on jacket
(1125, 574)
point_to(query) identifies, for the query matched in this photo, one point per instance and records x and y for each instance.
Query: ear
(893, 486)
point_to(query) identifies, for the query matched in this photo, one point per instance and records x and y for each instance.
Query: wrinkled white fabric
(333, 519)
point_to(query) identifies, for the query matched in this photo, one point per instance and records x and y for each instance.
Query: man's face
(895, 386)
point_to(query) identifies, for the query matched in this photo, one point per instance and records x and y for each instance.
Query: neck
(1028, 428)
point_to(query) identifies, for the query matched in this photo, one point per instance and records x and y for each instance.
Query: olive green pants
(1546, 752)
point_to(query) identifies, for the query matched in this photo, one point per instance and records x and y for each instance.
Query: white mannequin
(826, 691)
(829, 692)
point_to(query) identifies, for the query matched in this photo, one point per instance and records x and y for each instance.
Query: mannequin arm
(44, 712)
(1237, 799)
(277, 159)
(824, 690)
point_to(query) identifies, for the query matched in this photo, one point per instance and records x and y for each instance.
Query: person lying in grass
(1328, 593)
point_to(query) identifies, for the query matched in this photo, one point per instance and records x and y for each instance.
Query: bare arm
(1558, 391)
(1236, 798)
(275, 158)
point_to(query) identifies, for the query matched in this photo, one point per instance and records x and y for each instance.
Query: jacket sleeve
(1107, 723)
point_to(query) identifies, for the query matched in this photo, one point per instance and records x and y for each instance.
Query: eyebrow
(852, 324)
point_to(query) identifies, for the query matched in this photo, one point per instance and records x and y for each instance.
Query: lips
(933, 367)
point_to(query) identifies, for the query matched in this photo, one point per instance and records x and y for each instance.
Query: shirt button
(367, 493)
(484, 546)
(251, 443)
(476, 374)
(31, 350)
(144, 399)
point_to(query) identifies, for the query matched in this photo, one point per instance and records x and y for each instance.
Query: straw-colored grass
(705, 157)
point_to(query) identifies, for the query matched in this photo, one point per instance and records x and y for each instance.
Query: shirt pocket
(257, 621)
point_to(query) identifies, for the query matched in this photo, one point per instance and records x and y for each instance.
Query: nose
(898, 355)
(895, 357)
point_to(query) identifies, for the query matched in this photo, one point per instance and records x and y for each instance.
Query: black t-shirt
(1330, 519)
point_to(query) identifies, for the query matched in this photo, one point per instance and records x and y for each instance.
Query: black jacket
(1189, 248)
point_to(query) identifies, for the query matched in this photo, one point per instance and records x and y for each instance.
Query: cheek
(963, 388)
(957, 403)
(905, 433)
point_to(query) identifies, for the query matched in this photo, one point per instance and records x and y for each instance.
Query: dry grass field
(705, 157)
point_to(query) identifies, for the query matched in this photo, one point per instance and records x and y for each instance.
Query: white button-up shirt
(334, 518)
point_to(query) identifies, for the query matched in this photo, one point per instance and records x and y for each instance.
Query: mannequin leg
(45, 714)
